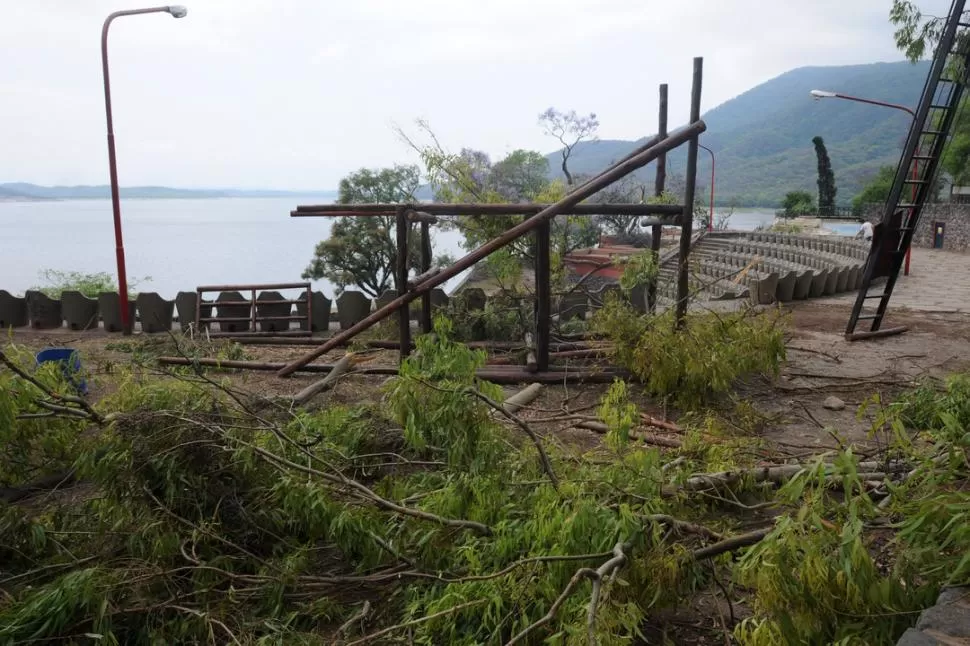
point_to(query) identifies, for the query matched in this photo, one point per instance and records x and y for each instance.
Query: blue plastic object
(70, 362)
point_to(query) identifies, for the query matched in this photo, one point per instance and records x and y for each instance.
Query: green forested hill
(763, 138)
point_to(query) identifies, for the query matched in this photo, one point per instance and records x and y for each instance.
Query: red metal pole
(178, 12)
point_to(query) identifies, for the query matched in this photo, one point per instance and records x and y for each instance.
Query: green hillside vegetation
(763, 138)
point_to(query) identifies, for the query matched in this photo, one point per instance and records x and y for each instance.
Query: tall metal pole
(822, 94)
(177, 12)
(710, 217)
(686, 230)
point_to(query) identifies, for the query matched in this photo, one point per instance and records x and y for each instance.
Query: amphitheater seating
(768, 267)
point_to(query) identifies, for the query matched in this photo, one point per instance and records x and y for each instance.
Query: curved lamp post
(825, 94)
(176, 11)
(710, 218)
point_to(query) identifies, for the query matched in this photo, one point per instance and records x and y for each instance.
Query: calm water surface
(182, 244)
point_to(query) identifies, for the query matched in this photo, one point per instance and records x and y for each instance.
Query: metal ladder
(917, 168)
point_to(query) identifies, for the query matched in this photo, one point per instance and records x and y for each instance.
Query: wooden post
(686, 227)
(401, 278)
(252, 311)
(543, 295)
(425, 267)
(658, 189)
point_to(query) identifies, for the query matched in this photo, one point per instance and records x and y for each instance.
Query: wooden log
(531, 362)
(420, 278)
(522, 398)
(268, 365)
(326, 383)
(878, 334)
(496, 374)
(442, 208)
(649, 438)
(590, 353)
(422, 217)
(659, 423)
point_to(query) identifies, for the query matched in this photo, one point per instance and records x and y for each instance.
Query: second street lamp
(176, 11)
(825, 94)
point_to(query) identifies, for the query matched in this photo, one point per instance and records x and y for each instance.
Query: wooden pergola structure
(536, 223)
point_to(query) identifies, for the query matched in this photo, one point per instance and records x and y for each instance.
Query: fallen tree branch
(607, 569)
(649, 420)
(326, 383)
(543, 457)
(580, 574)
(415, 622)
(68, 399)
(730, 544)
(777, 474)
(358, 489)
(685, 527)
(649, 438)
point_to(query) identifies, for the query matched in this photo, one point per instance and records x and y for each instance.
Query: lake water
(181, 244)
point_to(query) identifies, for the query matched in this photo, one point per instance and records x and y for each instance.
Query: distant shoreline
(27, 192)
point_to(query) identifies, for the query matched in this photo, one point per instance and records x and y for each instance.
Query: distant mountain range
(762, 139)
(24, 191)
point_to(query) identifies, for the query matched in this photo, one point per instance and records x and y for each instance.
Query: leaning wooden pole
(593, 186)
(658, 189)
(687, 225)
(426, 323)
(543, 309)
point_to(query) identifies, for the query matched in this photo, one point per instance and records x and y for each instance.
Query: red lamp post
(710, 217)
(177, 12)
(824, 94)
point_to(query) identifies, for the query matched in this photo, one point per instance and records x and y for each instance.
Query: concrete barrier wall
(955, 219)
(788, 267)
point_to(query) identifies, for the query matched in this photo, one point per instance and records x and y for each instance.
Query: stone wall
(956, 218)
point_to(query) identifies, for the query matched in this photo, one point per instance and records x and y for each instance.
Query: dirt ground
(821, 364)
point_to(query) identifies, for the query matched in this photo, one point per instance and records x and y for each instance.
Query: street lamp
(825, 94)
(710, 218)
(176, 11)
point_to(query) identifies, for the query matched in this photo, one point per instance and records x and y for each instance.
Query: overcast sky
(293, 94)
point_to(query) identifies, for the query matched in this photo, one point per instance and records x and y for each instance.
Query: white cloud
(295, 93)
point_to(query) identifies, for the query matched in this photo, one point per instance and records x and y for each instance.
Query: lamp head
(822, 94)
(177, 11)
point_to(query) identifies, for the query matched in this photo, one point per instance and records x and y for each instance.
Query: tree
(877, 190)
(798, 203)
(362, 251)
(569, 129)
(956, 156)
(826, 179)
(916, 35)
(520, 176)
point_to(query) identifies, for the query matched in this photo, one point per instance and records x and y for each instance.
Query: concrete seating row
(839, 245)
(155, 313)
(847, 271)
(795, 266)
